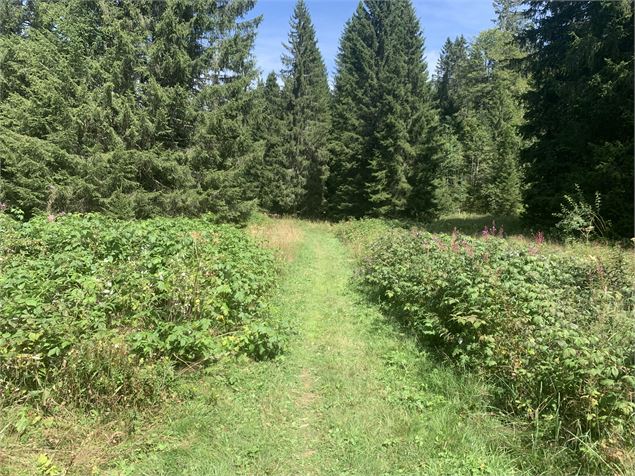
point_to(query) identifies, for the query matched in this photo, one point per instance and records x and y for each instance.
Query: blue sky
(439, 19)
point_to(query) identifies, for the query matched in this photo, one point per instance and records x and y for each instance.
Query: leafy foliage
(578, 218)
(479, 90)
(96, 310)
(360, 234)
(552, 333)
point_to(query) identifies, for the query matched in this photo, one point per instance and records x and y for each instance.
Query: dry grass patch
(64, 444)
(282, 235)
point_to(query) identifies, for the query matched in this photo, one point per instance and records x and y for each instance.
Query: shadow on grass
(470, 224)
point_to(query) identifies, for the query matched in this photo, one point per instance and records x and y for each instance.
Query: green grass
(352, 396)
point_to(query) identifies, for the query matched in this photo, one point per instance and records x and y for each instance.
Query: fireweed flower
(539, 238)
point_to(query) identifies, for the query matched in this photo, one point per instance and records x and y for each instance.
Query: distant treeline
(140, 108)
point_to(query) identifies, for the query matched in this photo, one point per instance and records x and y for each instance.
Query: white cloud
(432, 58)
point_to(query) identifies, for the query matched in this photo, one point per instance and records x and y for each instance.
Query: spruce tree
(580, 108)
(387, 154)
(449, 74)
(12, 14)
(134, 108)
(392, 151)
(353, 113)
(495, 88)
(480, 93)
(223, 149)
(420, 116)
(306, 94)
(271, 174)
(450, 180)
(509, 16)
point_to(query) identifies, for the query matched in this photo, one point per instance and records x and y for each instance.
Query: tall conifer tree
(449, 74)
(480, 90)
(353, 112)
(306, 93)
(386, 155)
(133, 107)
(271, 174)
(580, 108)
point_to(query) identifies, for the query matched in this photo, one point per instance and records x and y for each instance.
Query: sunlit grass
(354, 395)
(282, 235)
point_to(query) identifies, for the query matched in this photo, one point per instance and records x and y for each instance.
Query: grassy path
(351, 396)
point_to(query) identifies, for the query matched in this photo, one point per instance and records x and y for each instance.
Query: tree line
(140, 108)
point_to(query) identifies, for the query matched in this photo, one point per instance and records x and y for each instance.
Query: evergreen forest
(355, 264)
(142, 109)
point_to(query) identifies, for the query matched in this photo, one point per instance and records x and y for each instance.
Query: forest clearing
(317, 237)
(339, 369)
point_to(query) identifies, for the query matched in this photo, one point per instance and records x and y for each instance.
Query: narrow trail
(351, 396)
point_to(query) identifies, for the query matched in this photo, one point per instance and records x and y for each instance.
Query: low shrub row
(358, 235)
(553, 334)
(101, 311)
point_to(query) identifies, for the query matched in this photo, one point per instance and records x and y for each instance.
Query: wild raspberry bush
(161, 292)
(359, 234)
(553, 334)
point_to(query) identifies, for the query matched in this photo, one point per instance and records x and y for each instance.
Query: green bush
(579, 218)
(554, 334)
(95, 304)
(359, 234)
(103, 371)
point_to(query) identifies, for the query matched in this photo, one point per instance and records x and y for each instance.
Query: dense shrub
(360, 234)
(91, 307)
(553, 333)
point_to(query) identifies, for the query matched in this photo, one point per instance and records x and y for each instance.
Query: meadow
(101, 315)
(364, 346)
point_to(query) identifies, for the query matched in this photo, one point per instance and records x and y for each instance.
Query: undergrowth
(551, 332)
(98, 312)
